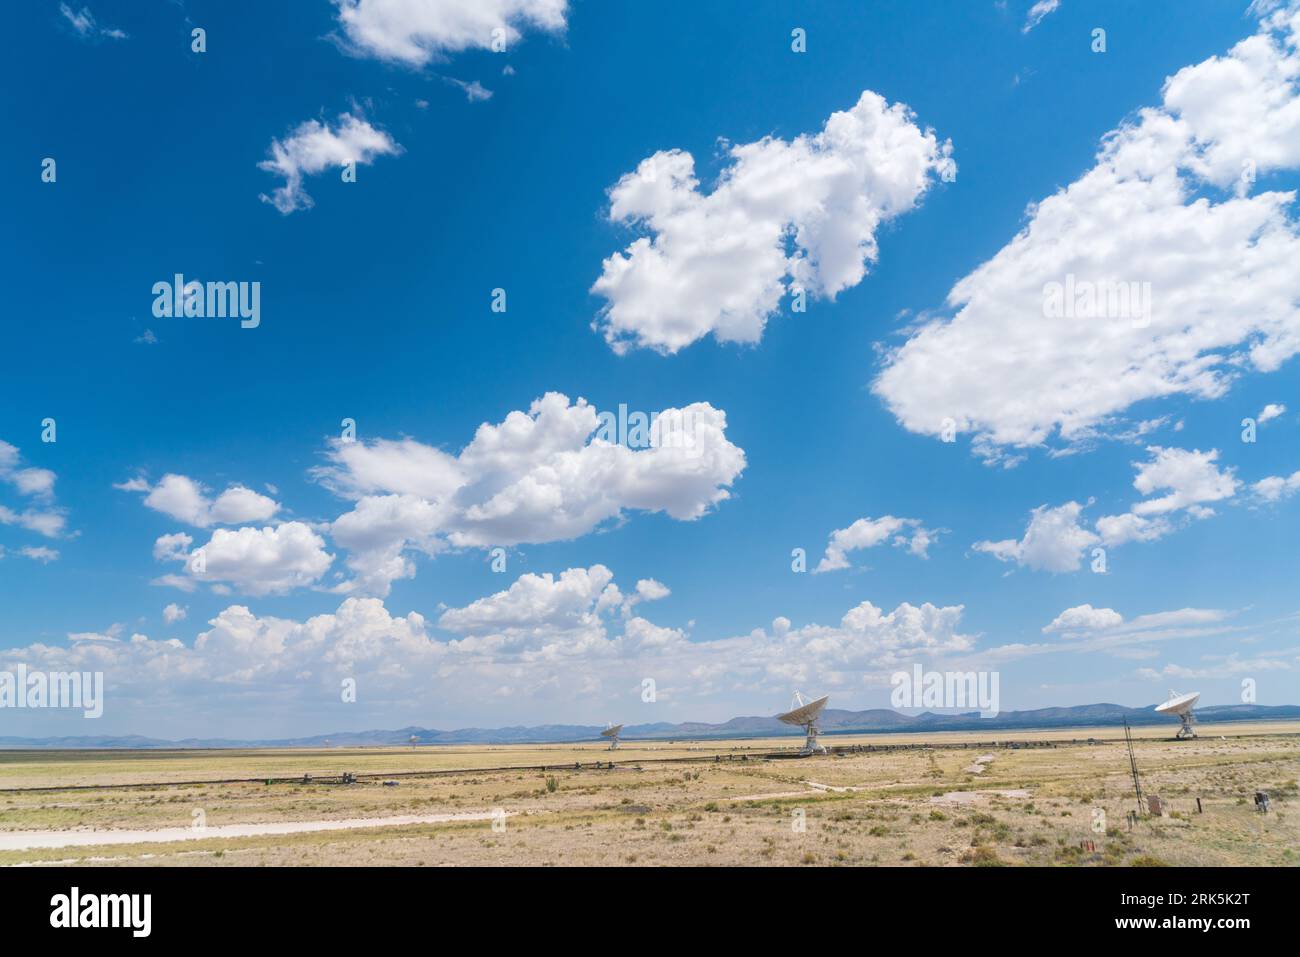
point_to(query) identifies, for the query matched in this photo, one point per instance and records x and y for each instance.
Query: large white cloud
(544, 617)
(182, 498)
(255, 561)
(801, 213)
(538, 476)
(378, 531)
(414, 32)
(313, 147)
(242, 648)
(1169, 203)
(534, 601)
(1053, 541)
(1191, 477)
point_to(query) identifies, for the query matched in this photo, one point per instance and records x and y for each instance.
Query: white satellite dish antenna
(804, 714)
(1181, 705)
(612, 732)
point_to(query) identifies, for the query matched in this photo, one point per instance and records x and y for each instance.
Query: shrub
(982, 857)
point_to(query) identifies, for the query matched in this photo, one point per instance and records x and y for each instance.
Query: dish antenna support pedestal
(810, 743)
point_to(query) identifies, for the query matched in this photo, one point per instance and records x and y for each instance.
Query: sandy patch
(974, 797)
(29, 840)
(980, 762)
(834, 789)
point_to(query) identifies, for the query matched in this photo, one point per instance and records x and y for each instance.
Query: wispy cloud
(474, 91)
(84, 24)
(313, 147)
(1038, 12)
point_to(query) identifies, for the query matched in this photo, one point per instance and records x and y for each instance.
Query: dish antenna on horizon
(804, 714)
(1181, 705)
(612, 732)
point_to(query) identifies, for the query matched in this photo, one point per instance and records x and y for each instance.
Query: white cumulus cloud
(253, 561)
(413, 32)
(182, 498)
(1191, 477)
(1053, 541)
(1270, 412)
(800, 213)
(1056, 538)
(538, 476)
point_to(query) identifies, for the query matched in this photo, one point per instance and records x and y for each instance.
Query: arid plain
(1029, 798)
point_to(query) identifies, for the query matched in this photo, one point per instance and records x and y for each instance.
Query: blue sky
(376, 305)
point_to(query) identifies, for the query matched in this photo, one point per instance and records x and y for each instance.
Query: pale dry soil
(921, 807)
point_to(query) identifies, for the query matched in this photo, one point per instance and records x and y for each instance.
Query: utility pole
(1132, 763)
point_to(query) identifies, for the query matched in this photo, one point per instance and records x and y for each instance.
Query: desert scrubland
(942, 800)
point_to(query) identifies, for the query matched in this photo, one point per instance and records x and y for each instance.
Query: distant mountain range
(833, 721)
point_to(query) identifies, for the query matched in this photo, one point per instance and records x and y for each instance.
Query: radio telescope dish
(612, 732)
(1181, 705)
(804, 714)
